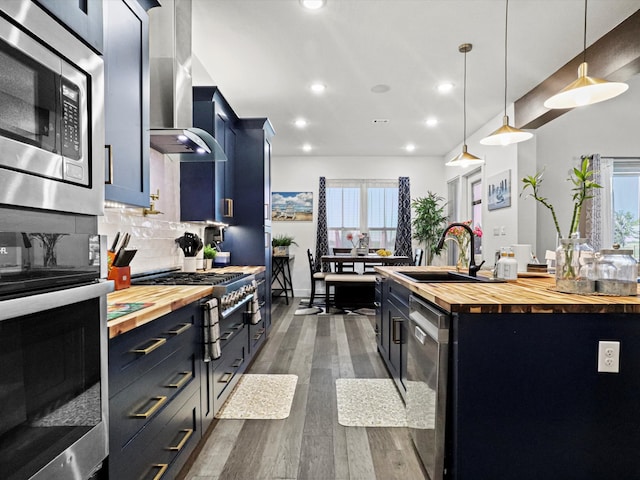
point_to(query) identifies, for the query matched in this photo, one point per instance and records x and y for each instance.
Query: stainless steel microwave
(51, 114)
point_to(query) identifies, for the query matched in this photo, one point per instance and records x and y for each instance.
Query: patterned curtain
(322, 237)
(595, 223)
(403, 233)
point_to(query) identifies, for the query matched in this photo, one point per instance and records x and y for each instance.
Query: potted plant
(281, 244)
(428, 223)
(209, 253)
(572, 248)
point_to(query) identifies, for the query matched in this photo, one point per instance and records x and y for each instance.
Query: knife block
(121, 277)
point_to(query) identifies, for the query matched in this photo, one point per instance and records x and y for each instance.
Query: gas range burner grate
(184, 278)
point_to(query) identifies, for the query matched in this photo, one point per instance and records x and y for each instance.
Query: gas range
(229, 288)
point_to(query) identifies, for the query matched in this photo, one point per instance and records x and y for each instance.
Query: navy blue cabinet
(393, 332)
(212, 196)
(126, 68)
(82, 18)
(154, 394)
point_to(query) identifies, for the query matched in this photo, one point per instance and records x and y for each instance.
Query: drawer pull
(157, 342)
(186, 376)
(228, 207)
(227, 336)
(226, 378)
(237, 363)
(187, 433)
(159, 401)
(162, 468)
(395, 335)
(177, 330)
(258, 335)
(237, 326)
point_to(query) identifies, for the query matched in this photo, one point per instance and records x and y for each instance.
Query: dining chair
(417, 257)
(348, 267)
(369, 268)
(315, 276)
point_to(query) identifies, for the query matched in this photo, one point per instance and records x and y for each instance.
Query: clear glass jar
(571, 256)
(616, 272)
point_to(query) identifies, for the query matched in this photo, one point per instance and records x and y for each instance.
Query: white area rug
(369, 402)
(260, 397)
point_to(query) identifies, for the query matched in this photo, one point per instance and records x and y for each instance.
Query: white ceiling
(264, 54)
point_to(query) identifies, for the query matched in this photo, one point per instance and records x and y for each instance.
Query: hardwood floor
(310, 444)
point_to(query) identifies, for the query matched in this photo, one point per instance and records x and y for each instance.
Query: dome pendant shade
(585, 91)
(506, 135)
(464, 159)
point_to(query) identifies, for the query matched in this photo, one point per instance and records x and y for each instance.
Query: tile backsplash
(153, 235)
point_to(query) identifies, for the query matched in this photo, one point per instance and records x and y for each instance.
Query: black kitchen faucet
(473, 268)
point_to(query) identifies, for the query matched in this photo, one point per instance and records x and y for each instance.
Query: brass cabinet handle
(159, 401)
(158, 342)
(227, 336)
(109, 180)
(237, 326)
(226, 377)
(258, 334)
(395, 338)
(178, 329)
(237, 363)
(162, 468)
(228, 207)
(187, 433)
(186, 376)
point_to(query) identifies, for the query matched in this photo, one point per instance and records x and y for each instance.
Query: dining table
(371, 258)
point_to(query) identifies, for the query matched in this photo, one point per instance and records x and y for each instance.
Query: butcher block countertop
(526, 295)
(165, 299)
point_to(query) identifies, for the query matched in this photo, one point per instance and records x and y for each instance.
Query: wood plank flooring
(310, 444)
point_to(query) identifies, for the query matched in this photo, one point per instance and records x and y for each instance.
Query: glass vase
(571, 256)
(463, 260)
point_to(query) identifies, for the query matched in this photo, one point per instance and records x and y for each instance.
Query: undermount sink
(446, 277)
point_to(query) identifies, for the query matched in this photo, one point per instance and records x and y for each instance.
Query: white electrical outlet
(608, 356)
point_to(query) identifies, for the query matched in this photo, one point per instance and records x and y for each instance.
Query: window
(355, 206)
(626, 204)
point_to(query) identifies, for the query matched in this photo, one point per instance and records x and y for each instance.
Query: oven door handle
(17, 307)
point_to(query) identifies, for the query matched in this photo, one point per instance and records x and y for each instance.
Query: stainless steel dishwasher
(427, 359)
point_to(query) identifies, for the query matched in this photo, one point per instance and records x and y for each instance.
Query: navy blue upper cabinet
(82, 18)
(126, 67)
(206, 189)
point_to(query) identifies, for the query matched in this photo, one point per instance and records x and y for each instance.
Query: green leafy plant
(209, 252)
(282, 240)
(581, 178)
(429, 222)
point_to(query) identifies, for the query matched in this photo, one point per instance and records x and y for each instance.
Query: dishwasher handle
(428, 321)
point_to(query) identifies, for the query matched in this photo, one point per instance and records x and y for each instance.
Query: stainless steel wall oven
(51, 114)
(53, 352)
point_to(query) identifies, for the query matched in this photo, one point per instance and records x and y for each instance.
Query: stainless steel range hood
(171, 104)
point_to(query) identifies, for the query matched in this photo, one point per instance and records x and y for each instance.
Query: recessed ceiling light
(432, 122)
(381, 88)
(445, 87)
(410, 147)
(318, 88)
(306, 147)
(300, 122)
(313, 4)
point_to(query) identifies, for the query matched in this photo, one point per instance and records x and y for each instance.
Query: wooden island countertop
(165, 299)
(526, 295)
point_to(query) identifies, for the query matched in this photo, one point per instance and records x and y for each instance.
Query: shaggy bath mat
(369, 402)
(260, 397)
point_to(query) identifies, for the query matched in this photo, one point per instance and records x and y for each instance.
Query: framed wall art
(292, 206)
(499, 190)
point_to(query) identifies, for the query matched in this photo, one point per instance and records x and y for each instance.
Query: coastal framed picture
(499, 190)
(291, 206)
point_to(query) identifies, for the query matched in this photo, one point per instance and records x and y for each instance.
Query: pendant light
(506, 134)
(585, 90)
(465, 158)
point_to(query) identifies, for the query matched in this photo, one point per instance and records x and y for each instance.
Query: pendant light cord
(506, 23)
(464, 101)
(584, 43)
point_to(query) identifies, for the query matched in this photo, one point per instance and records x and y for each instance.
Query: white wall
(301, 174)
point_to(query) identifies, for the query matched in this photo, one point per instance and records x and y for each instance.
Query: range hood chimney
(171, 112)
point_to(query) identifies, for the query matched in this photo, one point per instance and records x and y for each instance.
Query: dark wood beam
(615, 56)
